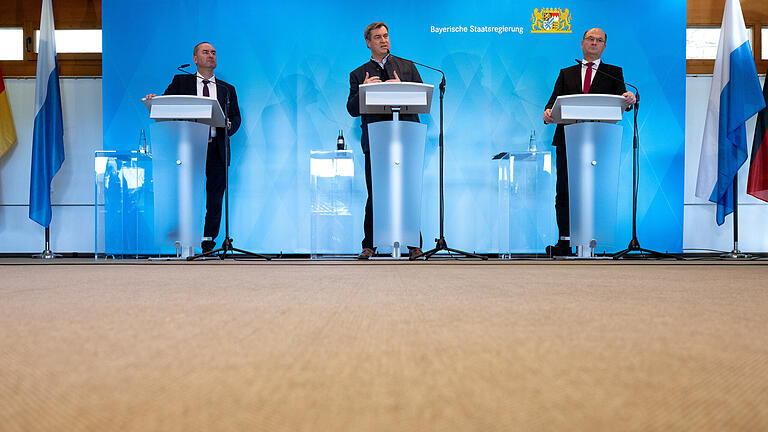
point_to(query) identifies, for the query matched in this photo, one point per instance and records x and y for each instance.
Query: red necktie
(587, 77)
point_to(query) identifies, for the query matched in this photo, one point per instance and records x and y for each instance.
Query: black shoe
(562, 248)
(367, 253)
(208, 245)
(414, 253)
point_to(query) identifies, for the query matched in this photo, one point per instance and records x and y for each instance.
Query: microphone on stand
(442, 83)
(637, 91)
(226, 110)
(440, 243)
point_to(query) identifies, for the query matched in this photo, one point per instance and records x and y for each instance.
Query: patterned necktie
(587, 77)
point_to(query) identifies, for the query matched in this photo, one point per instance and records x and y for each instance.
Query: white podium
(397, 159)
(593, 148)
(179, 147)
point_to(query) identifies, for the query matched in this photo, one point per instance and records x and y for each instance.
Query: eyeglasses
(593, 39)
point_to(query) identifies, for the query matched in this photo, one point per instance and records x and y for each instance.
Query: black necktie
(207, 93)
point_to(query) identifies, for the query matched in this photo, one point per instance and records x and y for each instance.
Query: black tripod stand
(226, 245)
(634, 244)
(440, 242)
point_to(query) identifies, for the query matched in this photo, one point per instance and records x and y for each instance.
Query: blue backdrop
(290, 63)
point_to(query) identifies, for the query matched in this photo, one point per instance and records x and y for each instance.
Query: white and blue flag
(48, 135)
(734, 97)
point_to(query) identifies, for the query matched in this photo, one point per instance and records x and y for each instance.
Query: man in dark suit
(579, 79)
(380, 68)
(204, 83)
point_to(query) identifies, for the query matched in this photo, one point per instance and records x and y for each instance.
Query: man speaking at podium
(592, 76)
(382, 67)
(204, 83)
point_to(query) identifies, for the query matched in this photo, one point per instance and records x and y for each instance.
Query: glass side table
(332, 176)
(526, 203)
(123, 204)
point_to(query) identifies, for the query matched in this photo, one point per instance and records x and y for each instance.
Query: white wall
(700, 230)
(73, 187)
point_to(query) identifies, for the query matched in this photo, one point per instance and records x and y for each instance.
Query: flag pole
(47, 253)
(735, 253)
(48, 132)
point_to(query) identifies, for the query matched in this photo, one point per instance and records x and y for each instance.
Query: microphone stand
(440, 242)
(634, 244)
(226, 245)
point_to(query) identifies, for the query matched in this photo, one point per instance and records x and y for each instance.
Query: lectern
(593, 147)
(179, 147)
(397, 159)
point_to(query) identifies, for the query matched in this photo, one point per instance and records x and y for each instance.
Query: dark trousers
(561, 192)
(216, 182)
(368, 221)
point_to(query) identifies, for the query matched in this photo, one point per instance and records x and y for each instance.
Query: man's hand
(371, 79)
(150, 96)
(229, 124)
(395, 79)
(629, 98)
(548, 116)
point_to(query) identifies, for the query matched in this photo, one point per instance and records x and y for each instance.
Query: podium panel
(407, 97)
(593, 150)
(588, 107)
(178, 151)
(201, 109)
(397, 164)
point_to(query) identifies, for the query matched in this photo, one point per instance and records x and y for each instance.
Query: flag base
(736, 255)
(47, 255)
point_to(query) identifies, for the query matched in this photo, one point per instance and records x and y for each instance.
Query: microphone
(637, 91)
(181, 68)
(442, 83)
(226, 108)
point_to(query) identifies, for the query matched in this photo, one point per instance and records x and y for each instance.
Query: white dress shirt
(211, 93)
(382, 62)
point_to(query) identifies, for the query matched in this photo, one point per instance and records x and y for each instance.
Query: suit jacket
(569, 82)
(185, 84)
(406, 71)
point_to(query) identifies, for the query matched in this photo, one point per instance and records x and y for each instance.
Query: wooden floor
(300, 345)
